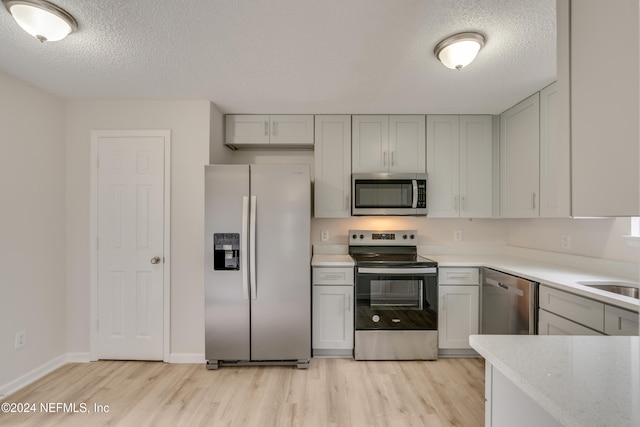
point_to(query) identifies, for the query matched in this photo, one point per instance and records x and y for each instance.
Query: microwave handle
(414, 203)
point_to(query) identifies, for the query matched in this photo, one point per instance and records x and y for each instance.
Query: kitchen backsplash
(597, 238)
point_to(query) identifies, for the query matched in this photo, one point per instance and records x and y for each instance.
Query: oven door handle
(392, 270)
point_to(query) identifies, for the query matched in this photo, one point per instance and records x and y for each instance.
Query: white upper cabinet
(604, 41)
(388, 143)
(246, 129)
(460, 161)
(555, 196)
(269, 131)
(520, 159)
(370, 144)
(332, 156)
(407, 143)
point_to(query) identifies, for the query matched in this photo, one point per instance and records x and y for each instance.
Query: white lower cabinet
(551, 324)
(564, 313)
(618, 321)
(458, 312)
(581, 310)
(332, 312)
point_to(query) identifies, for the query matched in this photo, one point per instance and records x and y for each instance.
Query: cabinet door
(332, 317)
(620, 322)
(554, 157)
(520, 159)
(246, 129)
(476, 167)
(458, 316)
(443, 166)
(294, 129)
(407, 143)
(604, 108)
(370, 144)
(551, 324)
(332, 187)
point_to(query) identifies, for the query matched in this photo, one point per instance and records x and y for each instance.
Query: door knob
(155, 260)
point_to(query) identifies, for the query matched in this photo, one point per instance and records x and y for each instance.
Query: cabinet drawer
(333, 276)
(585, 311)
(620, 322)
(459, 276)
(550, 324)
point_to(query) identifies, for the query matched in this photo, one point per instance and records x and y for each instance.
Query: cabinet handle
(455, 203)
(464, 203)
(458, 276)
(384, 160)
(274, 132)
(266, 128)
(533, 200)
(443, 303)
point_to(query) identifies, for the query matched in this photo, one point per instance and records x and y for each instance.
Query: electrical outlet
(457, 235)
(21, 339)
(565, 241)
(324, 235)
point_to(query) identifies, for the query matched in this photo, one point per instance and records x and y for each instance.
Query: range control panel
(386, 237)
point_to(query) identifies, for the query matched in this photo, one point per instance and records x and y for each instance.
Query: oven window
(393, 294)
(383, 193)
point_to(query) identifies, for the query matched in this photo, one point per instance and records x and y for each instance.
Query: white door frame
(93, 235)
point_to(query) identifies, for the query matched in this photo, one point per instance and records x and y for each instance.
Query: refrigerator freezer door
(280, 308)
(227, 334)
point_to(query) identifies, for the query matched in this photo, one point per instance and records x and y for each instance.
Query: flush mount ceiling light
(43, 20)
(459, 50)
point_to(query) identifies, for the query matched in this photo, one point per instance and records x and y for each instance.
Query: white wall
(189, 122)
(32, 227)
(431, 231)
(597, 238)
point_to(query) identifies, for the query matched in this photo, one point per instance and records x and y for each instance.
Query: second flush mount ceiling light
(459, 50)
(43, 20)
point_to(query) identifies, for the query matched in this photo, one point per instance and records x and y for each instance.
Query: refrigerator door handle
(252, 246)
(244, 255)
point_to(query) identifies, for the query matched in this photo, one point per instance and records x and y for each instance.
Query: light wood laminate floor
(332, 392)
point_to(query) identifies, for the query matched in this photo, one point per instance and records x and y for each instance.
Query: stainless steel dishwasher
(508, 304)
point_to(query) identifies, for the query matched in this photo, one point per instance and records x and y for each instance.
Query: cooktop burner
(386, 248)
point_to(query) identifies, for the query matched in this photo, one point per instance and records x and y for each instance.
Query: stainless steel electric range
(396, 304)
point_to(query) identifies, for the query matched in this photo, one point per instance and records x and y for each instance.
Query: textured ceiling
(292, 56)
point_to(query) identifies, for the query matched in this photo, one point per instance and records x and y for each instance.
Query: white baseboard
(78, 357)
(187, 358)
(34, 375)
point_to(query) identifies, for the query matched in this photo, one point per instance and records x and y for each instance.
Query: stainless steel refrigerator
(257, 265)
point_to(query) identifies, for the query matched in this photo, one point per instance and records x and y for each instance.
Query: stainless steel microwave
(389, 194)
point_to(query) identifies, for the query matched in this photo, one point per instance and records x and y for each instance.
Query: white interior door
(130, 227)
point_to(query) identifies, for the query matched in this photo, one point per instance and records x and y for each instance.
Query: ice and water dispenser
(226, 251)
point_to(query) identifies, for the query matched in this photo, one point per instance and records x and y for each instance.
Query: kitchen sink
(628, 289)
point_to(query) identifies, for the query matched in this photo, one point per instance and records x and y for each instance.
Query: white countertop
(322, 260)
(554, 275)
(579, 380)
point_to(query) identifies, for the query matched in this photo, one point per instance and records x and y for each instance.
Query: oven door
(390, 298)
